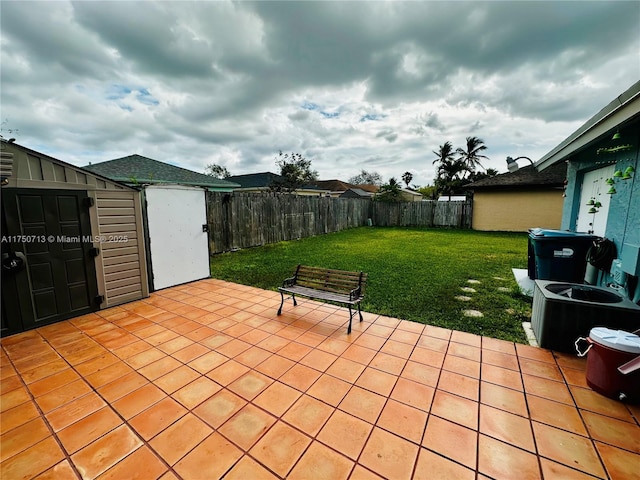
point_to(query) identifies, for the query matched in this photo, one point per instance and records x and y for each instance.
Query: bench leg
(295, 304)
(350, 317)
(359, 312)
(281, 303)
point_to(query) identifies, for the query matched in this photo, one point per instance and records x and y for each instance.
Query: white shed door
(594, 187)
(179, 247)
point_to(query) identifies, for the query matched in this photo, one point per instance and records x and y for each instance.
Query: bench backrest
(337, 281)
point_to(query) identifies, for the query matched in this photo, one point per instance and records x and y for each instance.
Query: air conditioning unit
(563, 312)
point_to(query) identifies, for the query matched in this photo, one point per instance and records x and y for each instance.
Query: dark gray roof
(526, 176)
(255, 180)
(136, 169)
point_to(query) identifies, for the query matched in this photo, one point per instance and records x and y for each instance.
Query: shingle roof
(332, 185)
(255, 180)
(526, 176)
(135, 169)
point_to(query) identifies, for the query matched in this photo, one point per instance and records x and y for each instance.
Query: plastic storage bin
(558, 255)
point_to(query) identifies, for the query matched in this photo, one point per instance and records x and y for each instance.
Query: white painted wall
(594, 186)
(179, 248)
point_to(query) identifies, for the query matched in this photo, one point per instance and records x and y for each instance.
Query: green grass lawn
(414, 273)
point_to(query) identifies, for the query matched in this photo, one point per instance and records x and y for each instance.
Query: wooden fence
(242, 220)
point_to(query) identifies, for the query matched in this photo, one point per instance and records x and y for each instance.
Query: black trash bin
(558, 255)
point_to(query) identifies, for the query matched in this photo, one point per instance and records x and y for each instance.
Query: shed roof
(255, 180)
(134, 169)
(527, 176)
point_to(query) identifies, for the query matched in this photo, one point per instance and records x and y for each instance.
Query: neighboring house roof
(356, 193)
(136, 169)
(255, 180)
(332, 185)
(526, 176)
(621, 111)
(368, 188)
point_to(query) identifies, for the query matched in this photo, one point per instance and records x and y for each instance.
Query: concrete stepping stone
(473, 281)
(468, 289)
(473, 313)
(463, 298)
(504, 289)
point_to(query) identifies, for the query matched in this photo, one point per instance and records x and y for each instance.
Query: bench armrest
(288, 282)
(355, 293)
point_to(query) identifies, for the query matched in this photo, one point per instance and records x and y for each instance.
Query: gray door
(48, 235)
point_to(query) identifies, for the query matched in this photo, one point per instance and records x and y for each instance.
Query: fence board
(242, 220)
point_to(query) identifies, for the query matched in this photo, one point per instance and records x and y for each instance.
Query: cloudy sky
(350, 85)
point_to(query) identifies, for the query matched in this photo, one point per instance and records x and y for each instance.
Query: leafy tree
(295, 170)
(451, 171)
(476, 176)
(216, 171)
(407, 177)
(390, 192)
(366, 178)
(472, 156)
(429, 191)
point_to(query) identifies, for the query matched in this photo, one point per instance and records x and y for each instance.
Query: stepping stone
(468, 289)
(473, 313)
(504, 289)
(473, 281)
(462, 298)
(498, 278)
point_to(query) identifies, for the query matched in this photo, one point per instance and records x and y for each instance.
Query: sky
(350, 85)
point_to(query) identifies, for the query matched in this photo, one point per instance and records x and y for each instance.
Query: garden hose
(601, 253)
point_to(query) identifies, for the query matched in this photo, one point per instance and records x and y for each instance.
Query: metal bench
(337, 286)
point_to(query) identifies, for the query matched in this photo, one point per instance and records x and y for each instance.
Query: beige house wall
(517, 211)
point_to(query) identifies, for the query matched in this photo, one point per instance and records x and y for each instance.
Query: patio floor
(203, 381)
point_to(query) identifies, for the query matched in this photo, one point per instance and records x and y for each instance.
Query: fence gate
(177, 240)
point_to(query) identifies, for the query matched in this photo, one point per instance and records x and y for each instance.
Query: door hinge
(89, 202)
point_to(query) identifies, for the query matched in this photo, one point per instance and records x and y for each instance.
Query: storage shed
(72, 241)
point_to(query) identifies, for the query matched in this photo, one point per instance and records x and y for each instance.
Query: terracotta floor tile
(410, 338)
(553, 470)
(456, 409)
(22, 437)
(250, 385)
(466, 338)
(437, 332)
(178, 439)
(451, 440)
(587, 399)
(464, 351)
(247, 426)
(105, 452)
(409, 326)
(233, 348)
(74, 411)
(345, 434)
(252, 357)
(548, 389)
(275, 366)
(159, 368)
(405, 421)
(534, 353)
(329, 389)
(361, 473)
(398, 349)
(227, 372)
(157, 417)
(506, 427)
(91, 427)
(280, 448)
(52, 382)
(196, 392)
(210, 459)
(359, 354)
(300, 377)
(247, 468)
(460, 385)
(494, 344)
(380, 331)
(174, 345)
(567, 448)
(500, 359)
(556, 414)
(373, 342)
(500, 460)
(333, 346)
(421, 373)
(145, 358)
(207, 362)
(613, 432)
(388, 363)
(108, 374)
(273, 343)
(60, 471)
(541, 369)
(17, 416)
(363, 404)
(462, 366)
(619, 463)
(308, 414)
(176, 379)
(219, 408)
(139, 465)
(346, 370)
(430, 465)
(44, 371)
(574, 377)
(294, 351)
(63, 395)
(503, 398)
(321, 463)
(501, 376)
(254, 336)
(413, 394)
(318, 360)
(277, 398)
(377, 381)
(200, 333)
(122, 386)
(389, 455)
(97, 363)
(34, 460)
(310, 339)
(138, 400)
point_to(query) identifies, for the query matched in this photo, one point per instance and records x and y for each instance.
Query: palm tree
(471, 156)
(407, 177)
(444, 153)
(451, 171)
